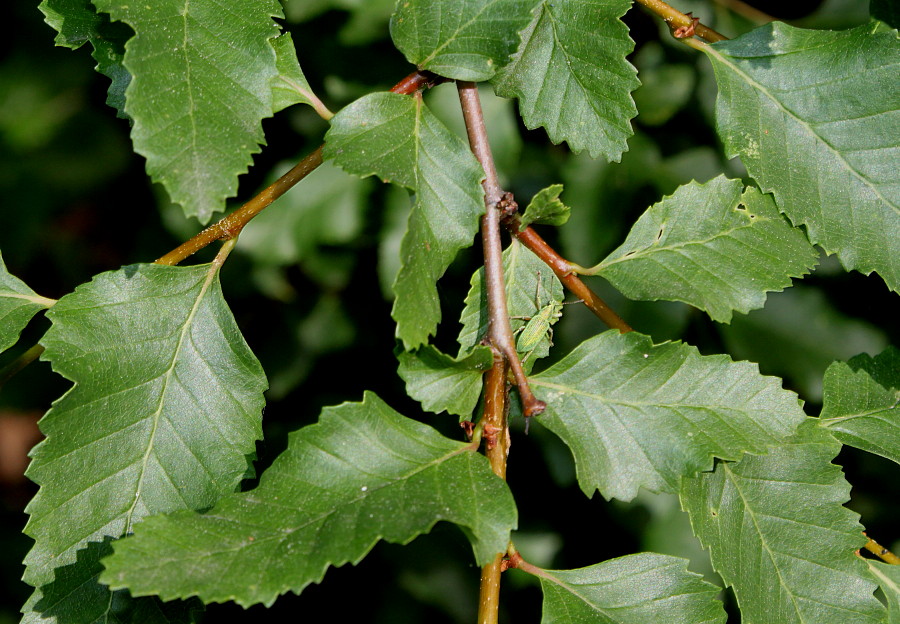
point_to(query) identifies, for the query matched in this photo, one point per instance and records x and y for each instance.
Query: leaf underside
(164, 414)
(778, 534)
(362, 474)
(716, 246)
(636, 414)
(815, 117)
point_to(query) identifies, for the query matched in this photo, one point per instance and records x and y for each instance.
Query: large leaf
(862, 403)
(202, 83)
(636, 414)
(571, 76)
(362, 474)
(716, 246)
(78, 22)
(164, 414)
(397, 138)
(815, 117)
(777, 533)
(441, 383)
(466, 40)
(888, 576)
(18, 303)
(635, 589)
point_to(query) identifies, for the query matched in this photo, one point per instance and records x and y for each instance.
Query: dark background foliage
(76, 202)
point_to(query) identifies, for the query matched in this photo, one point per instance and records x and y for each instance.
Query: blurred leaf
(814, 115)
(290, 87)
(545, 207)
(398, 139)
(862, 403)
(571, 76)
(362, 474)
(186, 61)
(665, 87)
(327, 208)
(18, 303)
(636, 414)
(629, 590)
(164, 413)
(463, 41)
(441, 383)
(798, 335)
(779, 536)
(78, 22)
(716, 246)
(888, 577)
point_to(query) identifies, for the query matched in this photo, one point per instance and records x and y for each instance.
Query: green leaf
(530, 285)
(18, 304)
(888, 577)
(441, 383)
(636, 414)
(164, 413)
(200, 89)
(571, 76)
(362, 474)
(778, 534)
(397, 138)
(716, 246)
(460, 40)
(290, 86)
(814, 116)
(635, 589)
(546, 208)
(78, 22)
(862, 403)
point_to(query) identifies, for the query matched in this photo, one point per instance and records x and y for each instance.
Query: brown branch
(499, 332)
(231, 226)
(564, 271)
(676, 19)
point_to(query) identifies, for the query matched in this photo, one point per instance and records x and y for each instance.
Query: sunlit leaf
(571, 76)
(815, 117)
(716, 246)
(164, 414)
(636, 414)
(396, 138)
(18, 303)
(467, 40)
(862, 403)
(778, 534)
(200, 87)
(441, 383)
(635, 589)
(362, 474)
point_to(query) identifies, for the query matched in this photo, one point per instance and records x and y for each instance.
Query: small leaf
(398, 139)
(571, 76)
(441, 383)
(78, 22)
(530, 285)
(546, 208)
(711, 246)
(290, 87)
(200, 89)
(635, 589)
(888, 577)
(18, 304)
(164, 413)
(460, 40)
(779, 535)
(814, 116)
(362, 474)
(636, 414)
(862, 403)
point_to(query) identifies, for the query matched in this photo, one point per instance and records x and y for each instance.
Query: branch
(678, 20)
(564, 271)
(881, 552)
(499, 332)
(230, 226)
